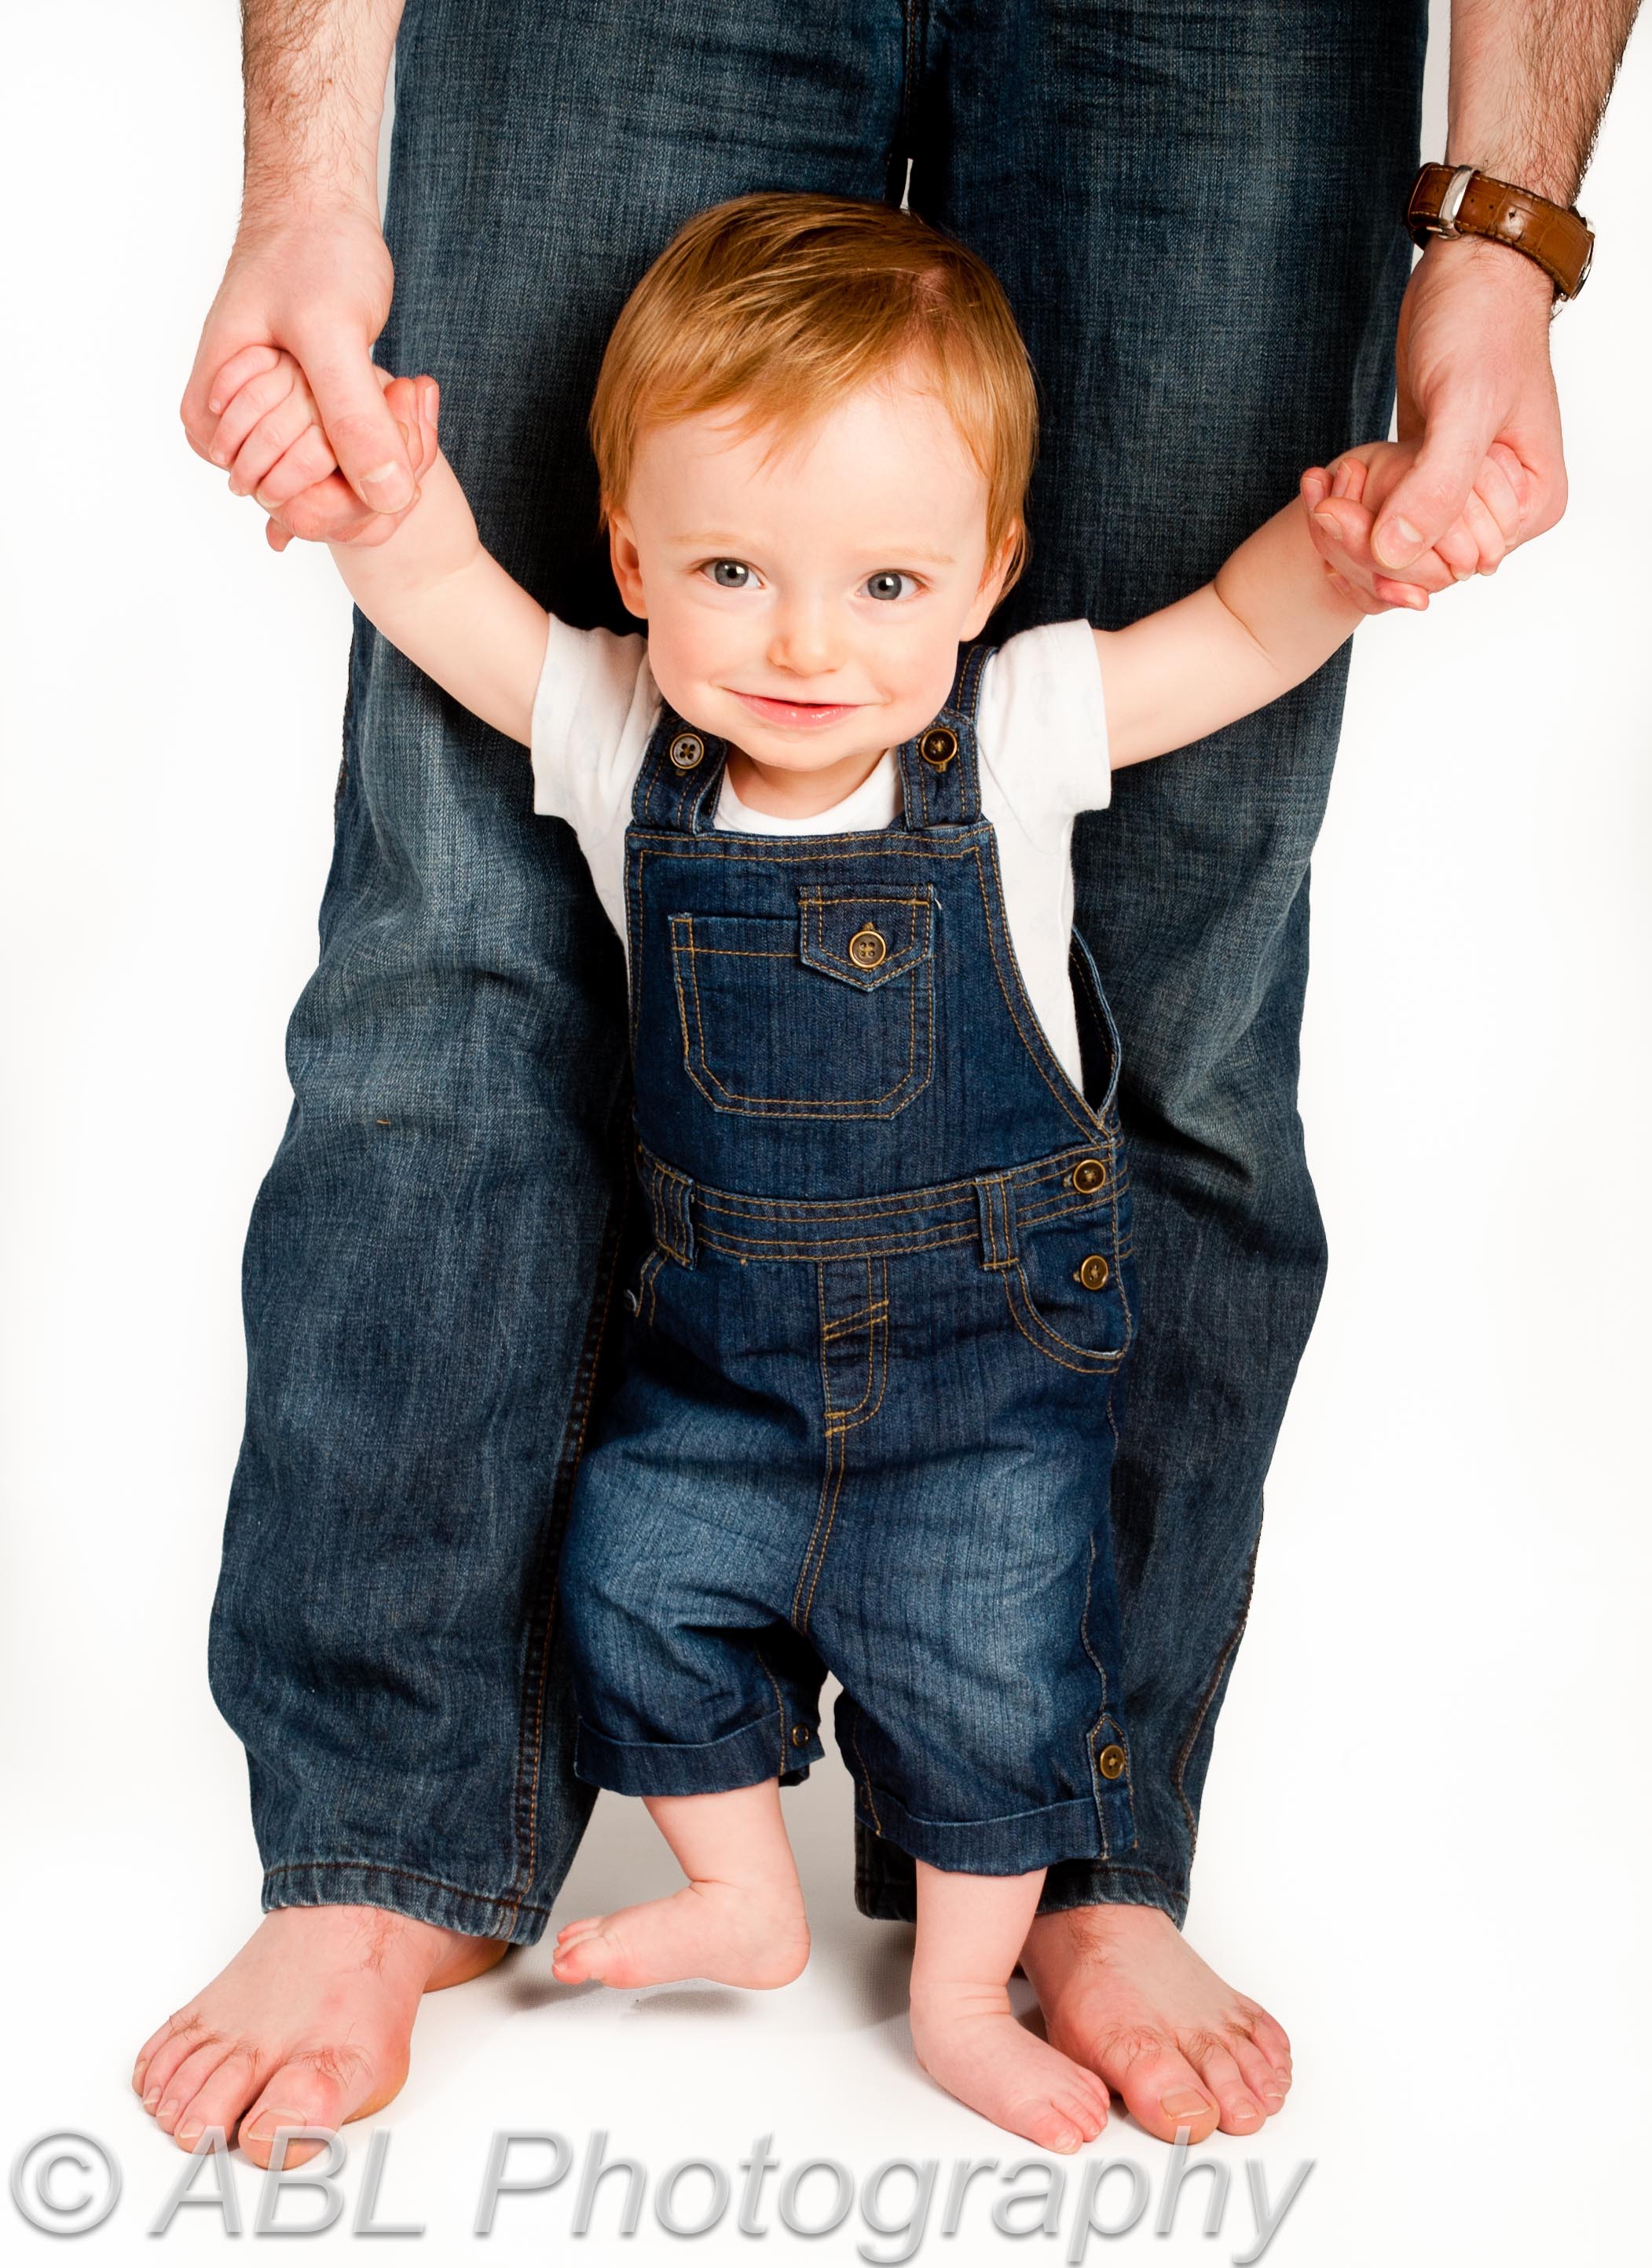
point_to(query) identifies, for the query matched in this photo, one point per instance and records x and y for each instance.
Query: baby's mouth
(800, 714)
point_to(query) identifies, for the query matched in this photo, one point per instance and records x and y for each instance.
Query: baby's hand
(1345, 498)
(269, 435)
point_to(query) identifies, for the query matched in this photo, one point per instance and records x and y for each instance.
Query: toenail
(152, 2098)
(1185, 2104)
(269, 2120)
(169, 2110)
(189, 2136)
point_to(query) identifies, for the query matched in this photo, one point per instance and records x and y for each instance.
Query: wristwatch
(1461, 201)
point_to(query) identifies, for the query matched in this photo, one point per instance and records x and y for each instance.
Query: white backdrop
(1424, 1838)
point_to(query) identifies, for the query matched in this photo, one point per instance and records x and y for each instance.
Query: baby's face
(809, 608)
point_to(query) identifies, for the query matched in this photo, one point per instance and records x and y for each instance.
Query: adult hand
(1346, 498)
(1471, 364)
(316, 281)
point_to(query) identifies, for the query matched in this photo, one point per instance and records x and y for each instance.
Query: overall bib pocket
(827, 1012)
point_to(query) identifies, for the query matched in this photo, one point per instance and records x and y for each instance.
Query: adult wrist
(275, 198)
(1521, 282)
(1451, 202)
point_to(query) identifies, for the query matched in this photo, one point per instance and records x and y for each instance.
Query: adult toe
(1161, 2090)
(186, 2081)
(1269, 2085)
(162, 2052)
(1270, 2036)
(223, 2098)
(1241, 2113)
(322, 2087)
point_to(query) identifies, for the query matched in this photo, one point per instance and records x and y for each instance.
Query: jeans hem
(403, 1890)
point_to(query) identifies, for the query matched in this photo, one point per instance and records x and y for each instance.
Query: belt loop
(669, 1196)
(997, 1220)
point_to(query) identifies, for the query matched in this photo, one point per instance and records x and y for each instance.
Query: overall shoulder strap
(681, 772)
(940, 781)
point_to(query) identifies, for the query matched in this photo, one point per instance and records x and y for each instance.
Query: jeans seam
(1203, 1711)
(530, 1736)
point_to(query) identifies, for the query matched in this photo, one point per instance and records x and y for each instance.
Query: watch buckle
(1451, 202)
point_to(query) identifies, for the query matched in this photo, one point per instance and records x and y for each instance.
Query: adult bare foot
(308, 2025)
(1123, 1993)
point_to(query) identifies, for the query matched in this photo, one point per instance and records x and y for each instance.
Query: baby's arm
(1271, 616)
(437, 594)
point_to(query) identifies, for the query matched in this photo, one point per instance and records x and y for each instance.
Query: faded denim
(1196, 211)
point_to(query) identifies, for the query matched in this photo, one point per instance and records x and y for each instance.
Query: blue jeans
(1197, 215)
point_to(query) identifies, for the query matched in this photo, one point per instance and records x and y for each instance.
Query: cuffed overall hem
(1110, 1883)
(767, 1750)
(403, 1890)
(1015, 1844)
(886, 1888)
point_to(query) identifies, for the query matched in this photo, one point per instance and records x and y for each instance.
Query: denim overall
(867, 1414)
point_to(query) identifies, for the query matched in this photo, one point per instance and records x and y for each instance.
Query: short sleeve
(593, 711)
(1042, 725)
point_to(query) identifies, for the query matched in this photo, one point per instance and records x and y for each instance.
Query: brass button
(686, 751)
(866, 947)
(939, 746)
(1088, 1174)
(1092, 1271)
(800, 1736)
(1109, 1761)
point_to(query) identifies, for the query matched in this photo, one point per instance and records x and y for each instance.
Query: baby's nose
(806, 643)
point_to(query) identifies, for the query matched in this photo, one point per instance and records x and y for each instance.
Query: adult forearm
(1529, 82)
(314, 74)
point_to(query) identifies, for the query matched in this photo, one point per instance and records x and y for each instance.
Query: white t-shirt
(1042, 741)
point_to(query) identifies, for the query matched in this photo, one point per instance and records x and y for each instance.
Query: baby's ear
(1000, 573)
(626, 561)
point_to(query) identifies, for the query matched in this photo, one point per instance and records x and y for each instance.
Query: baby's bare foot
(308, 2025)
(976, 2049)
(729, 1932)
(1125, 1993)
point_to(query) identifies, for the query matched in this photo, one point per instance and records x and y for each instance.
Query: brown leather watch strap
(1461, 201)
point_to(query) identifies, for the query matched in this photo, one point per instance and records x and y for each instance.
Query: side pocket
(1070, 1287)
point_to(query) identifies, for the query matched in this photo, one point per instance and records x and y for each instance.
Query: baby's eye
(730, 574)
(888, 583)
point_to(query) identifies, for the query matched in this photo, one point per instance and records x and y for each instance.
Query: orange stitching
(847, 1107)
(846, 1417)
(1089, 1744)
(835, 1450)
(1089, 1119)
(780, 1702)
(879, 1325)
(961, 1192)
(866, 1776)
(1094, 1366)
(841, 1434)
